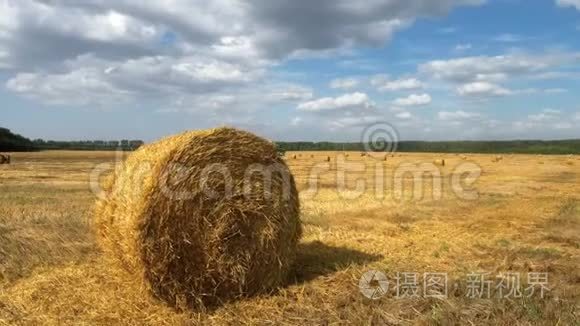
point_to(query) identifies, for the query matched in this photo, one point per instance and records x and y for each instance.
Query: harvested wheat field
(416, 223)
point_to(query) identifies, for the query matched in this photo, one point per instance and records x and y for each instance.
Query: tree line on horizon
(10, 142)
(555, 147)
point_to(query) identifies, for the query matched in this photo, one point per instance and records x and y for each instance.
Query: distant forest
(10, 142)
(511, 146)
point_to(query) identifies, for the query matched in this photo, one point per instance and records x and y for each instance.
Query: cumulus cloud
(291, 93)
(413, 100)
(547, 119)
(457, 115)
(272, 29)
(353, 101)
(384, 84)
(508, 38)
(183, 48)
(290, 25)
(545, 115)
(569, 3)
(482, 89)
(494, 68)
(79, 87)
(463, 47)
(344, 83)
(404, 115)
(93, 79)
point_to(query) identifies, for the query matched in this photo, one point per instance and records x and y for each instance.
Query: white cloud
(343, 102)
(463, 47)
(447, 30)
(413, 100)
(555, 90)
(344, 83)
(563, 125)
(77, 88)
(182, 48)
(65, 29)
(291, 94)
(404, 115)
(92, 79)
(508, 38)
(486, 68)
(482, 89)
(383, 84)
(569, 3)
(545, 115)
(296, 121)
(457, 115)
(547, 119)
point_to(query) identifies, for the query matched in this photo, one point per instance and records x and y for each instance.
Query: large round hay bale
(203, 217)
(2, 158)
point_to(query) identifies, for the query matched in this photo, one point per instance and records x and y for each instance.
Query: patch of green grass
(503, 242)
(569, 212)
(541, 253)
(533, 311)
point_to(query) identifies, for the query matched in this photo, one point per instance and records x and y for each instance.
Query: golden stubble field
(521, 218)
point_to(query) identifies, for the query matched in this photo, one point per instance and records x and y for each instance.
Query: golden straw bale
(439, 162)
(189, 218)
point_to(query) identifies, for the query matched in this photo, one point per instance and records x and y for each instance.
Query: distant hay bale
(311, 156)
(440, 162)
(497, 159)
(186, 218)
(570, 162)
(328, 159)
(294, 157)
(4, 159)
(463, 157)
(363, 154)
(541, 162)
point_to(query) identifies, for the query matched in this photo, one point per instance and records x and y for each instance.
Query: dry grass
(526, 219)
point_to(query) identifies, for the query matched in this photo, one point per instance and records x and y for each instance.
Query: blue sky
(291, 70)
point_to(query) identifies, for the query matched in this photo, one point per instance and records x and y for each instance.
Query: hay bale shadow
(315, 259)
